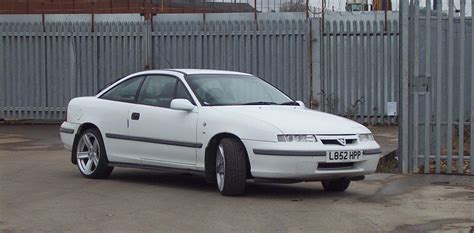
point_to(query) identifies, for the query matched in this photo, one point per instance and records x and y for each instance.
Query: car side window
(157, 91)
(125, 91)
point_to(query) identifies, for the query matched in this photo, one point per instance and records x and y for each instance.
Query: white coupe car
(227, 126)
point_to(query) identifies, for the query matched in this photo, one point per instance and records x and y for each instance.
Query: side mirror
(300, 103)
(182, 104)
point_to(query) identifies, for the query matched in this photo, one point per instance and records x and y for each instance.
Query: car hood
(297, 120)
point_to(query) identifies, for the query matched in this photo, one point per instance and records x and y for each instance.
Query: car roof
(186, 72)
(206, 71)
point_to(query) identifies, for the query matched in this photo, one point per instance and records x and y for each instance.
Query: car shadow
(296, 192)
(164, 179)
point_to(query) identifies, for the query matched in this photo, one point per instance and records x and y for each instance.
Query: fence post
(147, 43)
(316, 55)
(404, 85)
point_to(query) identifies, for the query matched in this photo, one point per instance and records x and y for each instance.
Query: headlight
(297, 138)
(366, 137)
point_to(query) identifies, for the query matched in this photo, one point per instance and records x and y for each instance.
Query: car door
(112, 109)
(164, 136)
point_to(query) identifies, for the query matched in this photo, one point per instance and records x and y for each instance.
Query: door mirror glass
(182, 104)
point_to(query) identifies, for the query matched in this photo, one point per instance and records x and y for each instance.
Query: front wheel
(231, 167)
(91, 156)
(335, 185)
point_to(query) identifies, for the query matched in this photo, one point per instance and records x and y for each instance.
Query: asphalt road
(40, 190)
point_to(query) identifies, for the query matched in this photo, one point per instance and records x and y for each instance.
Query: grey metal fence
(438, 89)
(352, 69)
(274, 48)
(41, 69)
(358, 66)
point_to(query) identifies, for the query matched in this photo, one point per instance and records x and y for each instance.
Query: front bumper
(307, 161)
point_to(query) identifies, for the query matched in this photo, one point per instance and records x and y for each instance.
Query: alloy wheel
(88, 153)
(220, 167)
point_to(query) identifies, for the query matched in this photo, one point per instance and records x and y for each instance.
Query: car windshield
(231, 89)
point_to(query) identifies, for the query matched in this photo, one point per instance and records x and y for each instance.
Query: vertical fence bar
(380, 76)
(345, 55)
(439, 76)
(450, 85)
(471, 159)
(366, 65)
(316, 47)
(415, 133)
(393, 59)
(42, 71)
(403, 87)
(372, 70)
(338, 35)
(8, 72)
(386, 76)
(461, 90)
(331, 93)
(17, 71)
(357, 68)
(427, 132)
(415, 79)
(428, 93)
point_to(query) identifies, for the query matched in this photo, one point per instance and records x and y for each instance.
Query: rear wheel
(91, 156)
(335, 185)
(231, 167)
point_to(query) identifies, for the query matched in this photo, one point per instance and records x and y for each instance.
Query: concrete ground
(40, 190)
(387, 137)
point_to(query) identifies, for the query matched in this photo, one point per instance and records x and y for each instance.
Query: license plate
(343, 156)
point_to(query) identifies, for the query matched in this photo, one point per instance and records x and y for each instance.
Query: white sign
(391, 108)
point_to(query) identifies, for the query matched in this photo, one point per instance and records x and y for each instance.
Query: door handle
(135, 116)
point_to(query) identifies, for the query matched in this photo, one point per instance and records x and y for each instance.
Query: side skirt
(156, 168)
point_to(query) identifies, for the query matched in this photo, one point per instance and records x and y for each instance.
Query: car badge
(341, 141)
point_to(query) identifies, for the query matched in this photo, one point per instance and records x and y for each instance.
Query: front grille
(349, 141)
(329, 166)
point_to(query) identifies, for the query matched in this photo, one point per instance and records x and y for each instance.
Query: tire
(210, 164)
(231, 167)
(91, 156)
(335, 185)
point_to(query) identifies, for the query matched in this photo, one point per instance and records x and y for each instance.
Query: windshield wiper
(260, 103)
(294, 103)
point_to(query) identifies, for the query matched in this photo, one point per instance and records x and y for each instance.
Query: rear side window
(125, 91)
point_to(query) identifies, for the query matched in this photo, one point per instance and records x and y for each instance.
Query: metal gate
(356, 65)
(436, 88)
